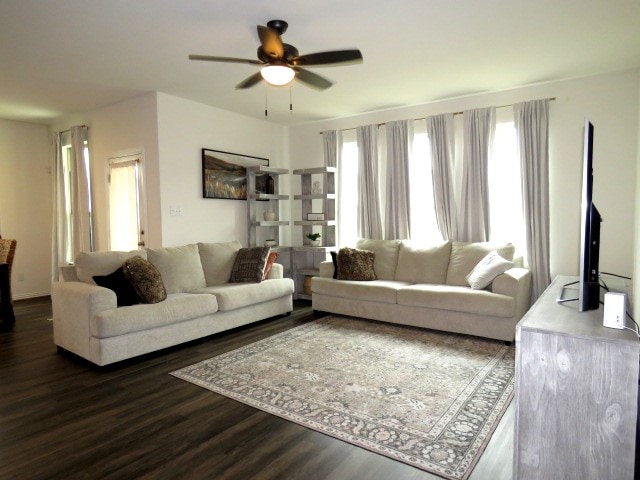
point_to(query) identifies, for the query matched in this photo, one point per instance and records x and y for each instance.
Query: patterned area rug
(429, 399)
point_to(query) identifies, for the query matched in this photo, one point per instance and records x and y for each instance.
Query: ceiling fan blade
(250, 81)
(312, 79)
(271, 42)
(209, 58)
(328, 58)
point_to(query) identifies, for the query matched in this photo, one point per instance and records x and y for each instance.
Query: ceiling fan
(281, 62)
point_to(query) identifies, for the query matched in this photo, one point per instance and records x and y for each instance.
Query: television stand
(576, 393)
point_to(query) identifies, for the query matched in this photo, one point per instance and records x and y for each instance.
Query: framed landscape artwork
(224, 174)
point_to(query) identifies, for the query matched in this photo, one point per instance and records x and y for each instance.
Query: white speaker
(615, 309)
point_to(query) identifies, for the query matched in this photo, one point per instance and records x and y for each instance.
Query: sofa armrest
(516, 283)
(73, 305)
(277, 271)
(326, 269)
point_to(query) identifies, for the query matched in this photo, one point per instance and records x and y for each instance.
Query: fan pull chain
(266, 107)
(290, 100)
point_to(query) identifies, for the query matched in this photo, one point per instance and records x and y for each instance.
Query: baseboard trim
(25, 296)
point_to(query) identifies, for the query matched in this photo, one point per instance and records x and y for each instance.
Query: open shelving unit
(306, 258)
(258, 202)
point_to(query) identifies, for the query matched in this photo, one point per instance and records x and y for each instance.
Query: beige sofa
(200, 302)
(427, 287)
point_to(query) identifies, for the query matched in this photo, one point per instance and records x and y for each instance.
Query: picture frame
(315, 216)
(224, 174)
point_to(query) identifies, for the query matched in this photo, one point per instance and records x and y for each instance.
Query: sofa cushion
(217, 261)
(423, 264)
(116, 281)
(232, 296)
(386, 252)
(457, 299)
(384, 291)
(487, 269)
(180, 267)
(145, 279)
(354, 264)
(178, 307)
(249, 265)
(90, 264)
(465, 256)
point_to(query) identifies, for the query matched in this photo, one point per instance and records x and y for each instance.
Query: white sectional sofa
(427, 287)
(200, 301)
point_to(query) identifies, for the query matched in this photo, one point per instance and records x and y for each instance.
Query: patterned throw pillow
(116, 281)
(249, 265)
(145, 278)
(354, 264)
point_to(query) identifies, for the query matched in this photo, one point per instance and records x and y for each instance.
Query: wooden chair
(7, 253)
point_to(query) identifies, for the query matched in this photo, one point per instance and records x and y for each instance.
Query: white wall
(25, 204)
(184, 128)
(611, 101)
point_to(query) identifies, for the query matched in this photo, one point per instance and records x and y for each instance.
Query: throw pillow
(116, 281)
(145, 279)
(487, 269)
(273, 256)
(354, 264)
(249, 265)
(334, 259)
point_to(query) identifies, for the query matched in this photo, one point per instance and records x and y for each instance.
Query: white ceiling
(69, 56)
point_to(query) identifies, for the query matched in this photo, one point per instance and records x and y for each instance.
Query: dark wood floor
(64, 418)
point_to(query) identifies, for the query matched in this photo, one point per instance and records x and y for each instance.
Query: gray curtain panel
(330, 144)
(58, 238)
(441, 140)
(479, 128)
(82, 226)
(397, 214)
(369, 213)
(532, 126)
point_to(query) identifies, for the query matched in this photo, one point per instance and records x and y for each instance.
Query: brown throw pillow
(354, 264)
(249, 265)
(145, 279)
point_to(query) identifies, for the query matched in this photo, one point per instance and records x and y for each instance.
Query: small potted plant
(314, 239)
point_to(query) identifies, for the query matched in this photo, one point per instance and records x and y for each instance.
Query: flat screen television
(590, 219)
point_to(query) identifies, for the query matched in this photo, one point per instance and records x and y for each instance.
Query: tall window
(505, 191)
(505, 195)
(69, 193)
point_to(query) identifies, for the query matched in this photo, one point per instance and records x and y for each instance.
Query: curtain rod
(68, 130)
(551, 99)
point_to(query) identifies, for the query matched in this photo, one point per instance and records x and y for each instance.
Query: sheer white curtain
(441, 140)
(369, 213)
(398, 217)
(479, 127)
(123, 206)
(532, 126)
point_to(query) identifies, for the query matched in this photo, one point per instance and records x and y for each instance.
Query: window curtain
(398, 200)
(123, 205)
(74, 233)
(369, 213)
(441, 140)
(532, 126)
(479, 127)
(330, 144)
(81, 193)
(58, 231)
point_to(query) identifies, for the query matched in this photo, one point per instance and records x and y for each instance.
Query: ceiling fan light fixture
(277, 75)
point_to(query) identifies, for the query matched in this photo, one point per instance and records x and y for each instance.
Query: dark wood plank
(64, 418)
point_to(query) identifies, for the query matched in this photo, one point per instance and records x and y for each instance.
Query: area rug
(428, 399)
